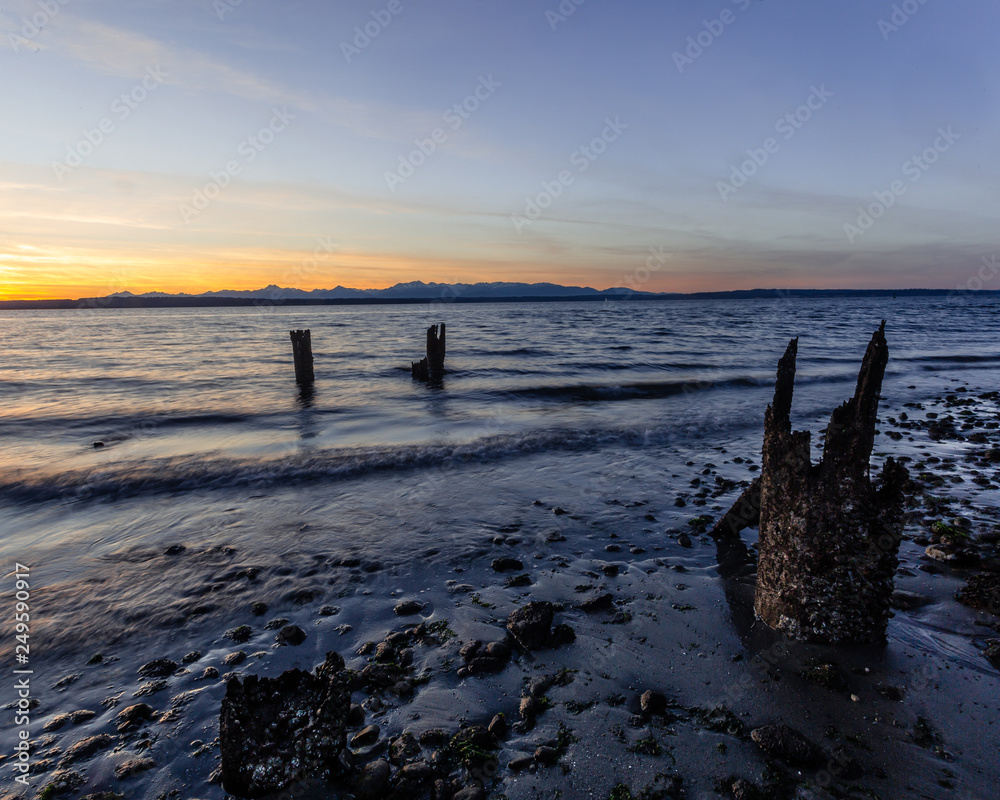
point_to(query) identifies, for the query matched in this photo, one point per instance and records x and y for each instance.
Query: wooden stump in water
(829, 537)
(302, 353)
(431, 367)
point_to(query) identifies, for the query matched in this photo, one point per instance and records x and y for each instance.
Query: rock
(982, 592)
(531, 625)
(471, 792)
(380, 676)
(952, 554)
(174, 550)
(546, 755)
(506, 564)
(191, 657)
(366, 736)
(530, 707)
(435, 737)
(485, 665)
(498, 726)
(402, 748)
(133, 766)
(653, 703)
(518, 581)
(85, 748)
(151, 687)
(470, 650)
(373, 781)
(826, 675)
(407, 608)
(356, 715)
(235, 659)
(418, 772)
(81, 716)
(610, 570)
(62, 781)
(291, 634)
(274, 624)
(786, 743)
(273, 731)
(384, 653)
(258, 609)
(520, 763)
(499, 650)
(210, 673)
(159, 668)
(56, 722)
(562, 634)
(600, 603)
(239, 634)
(908, 601)
(133, 716)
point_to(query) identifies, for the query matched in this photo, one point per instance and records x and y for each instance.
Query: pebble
(407, 608)
(291, 634)
(365, 736)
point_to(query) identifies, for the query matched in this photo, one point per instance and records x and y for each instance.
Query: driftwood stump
(303, 355)
(431, 368)
(829, 537)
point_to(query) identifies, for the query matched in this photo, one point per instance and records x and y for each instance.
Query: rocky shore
(596, 643)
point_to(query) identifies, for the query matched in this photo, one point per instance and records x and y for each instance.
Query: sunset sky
(193, 145)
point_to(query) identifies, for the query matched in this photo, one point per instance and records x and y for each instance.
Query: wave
(213, 473)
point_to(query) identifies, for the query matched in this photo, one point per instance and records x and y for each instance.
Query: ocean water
(184, 399)
(374, 487)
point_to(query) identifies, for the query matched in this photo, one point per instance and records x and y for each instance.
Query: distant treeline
(224, 302)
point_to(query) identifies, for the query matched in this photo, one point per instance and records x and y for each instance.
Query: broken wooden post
(303, 355)
(431, 367)
(829, 537)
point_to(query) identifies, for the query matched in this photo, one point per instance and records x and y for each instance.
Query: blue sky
(672, 101)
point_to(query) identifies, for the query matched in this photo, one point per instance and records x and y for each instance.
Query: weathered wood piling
(303, 356)
(829, 537)
(431, 368)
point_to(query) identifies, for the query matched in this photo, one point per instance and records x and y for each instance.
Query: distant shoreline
(97, 303)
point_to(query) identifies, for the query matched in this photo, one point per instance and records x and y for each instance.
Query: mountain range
(411, 290)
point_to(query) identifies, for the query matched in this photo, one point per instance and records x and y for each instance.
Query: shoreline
(649, 610)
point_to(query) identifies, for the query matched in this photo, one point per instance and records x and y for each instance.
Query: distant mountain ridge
(412, 290)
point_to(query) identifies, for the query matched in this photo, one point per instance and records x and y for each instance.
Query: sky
(689, 145)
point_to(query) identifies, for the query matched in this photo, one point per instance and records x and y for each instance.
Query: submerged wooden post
(829, 537)
(303, 355)
(431, 367)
